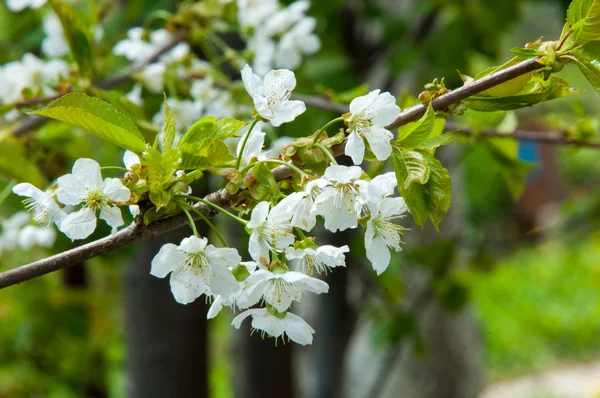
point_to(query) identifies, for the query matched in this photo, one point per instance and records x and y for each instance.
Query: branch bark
(137, 231)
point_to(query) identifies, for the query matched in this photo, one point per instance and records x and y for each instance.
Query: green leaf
(524, 52)
(169, 126)
(77, 34)
(535, 91)
(209, 127)
(97, 117)
(584, 17)
(414, 133)
(410, 167)
(506, 153)
(15, 164)
(510, 87)
(435, 142)
(588, 62)
(161, 173)
(205, 154)
(431, 199)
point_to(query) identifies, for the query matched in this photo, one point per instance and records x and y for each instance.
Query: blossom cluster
(277, 37)
(84, 188)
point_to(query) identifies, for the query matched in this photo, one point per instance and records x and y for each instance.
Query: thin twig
(137, 231)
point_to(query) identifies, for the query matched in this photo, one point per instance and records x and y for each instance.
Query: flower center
(41, 213)
(199, 265)
(95, 199)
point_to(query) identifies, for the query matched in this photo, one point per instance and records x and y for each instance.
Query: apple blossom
(41, 204)
(382, 234)
(369, 114)
(270, 232)
(279, 289)
(85, 186)
(277, 324)
(320, 259)
(271, 95)
(196, 268)
(340, 202)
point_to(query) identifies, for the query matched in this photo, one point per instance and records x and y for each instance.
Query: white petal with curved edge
(225, 257)
(342, 174)
(168, 258)
(386, 182)
(377, 251)
(384, 109)
(391, 207)
(187, 285)
(193, 244)
(237, 321)
(272, 325)
(88, 172)
(355, 148)
(297, 329)
(71, 190)
(379, 139)
(259, 215)
(115, 190)
(79, 225)
(287, 112)
(306, 282)
(252, 83)
(257, 248)
(215, 308)
(359, 104)
(222, 281)
(112, 216)
(130, 159)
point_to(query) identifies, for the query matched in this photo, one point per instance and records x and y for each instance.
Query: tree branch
(138, 231)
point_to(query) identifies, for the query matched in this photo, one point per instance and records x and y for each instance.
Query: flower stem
(300, 233)
(114, 168)
(219, 208)
(209, 223)
(326, 151)
(7, 190)
(281, 162)
(337, 119)
(192, 223)
(239, 159)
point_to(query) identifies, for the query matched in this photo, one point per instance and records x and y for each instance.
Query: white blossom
(320, 259)
(85, 186)
(41, 204)
(382, 234)
(300, 40)
(279, 289)
(369, 114)
(271, 96)
(135, 95)
(16, 231)
(270, 232)
(252, 13)
(20, 5)
(54, 44)
(292, 325)
(30, 73)
(299, 205)
(196, 268)
(339, 202)
(230, 300)
(379, 187)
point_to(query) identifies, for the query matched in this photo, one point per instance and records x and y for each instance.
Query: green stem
(209, 223)
(277, 161)
(7, 190)
(114, 168)
(192, 224)
(299, 231)
(338, 119)
(217, 207)
(326, 151)
(239, 159)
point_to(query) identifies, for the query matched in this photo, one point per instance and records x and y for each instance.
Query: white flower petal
(377, 251)
(252, 83)
(187, 285)
(259, 215)
(215, 308)
(115, 190)
(297, 329)
(355, 148)
(193, 244)
(71, 190)
(168, 258)
(112, 216)
(130, 159)
(88, 172)
(379, 139)
(79, 225)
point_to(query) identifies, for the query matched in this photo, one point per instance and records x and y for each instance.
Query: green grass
(540, 307)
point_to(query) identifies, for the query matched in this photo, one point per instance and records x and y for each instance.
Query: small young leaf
(205, 154)
(169, 126)
(77, 34)
(438, 190)
(97, 117)
(209, 127)
(414, 133)
(524, 52)
(588, 62)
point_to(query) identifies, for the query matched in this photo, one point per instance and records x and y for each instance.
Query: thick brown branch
(137, 232)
